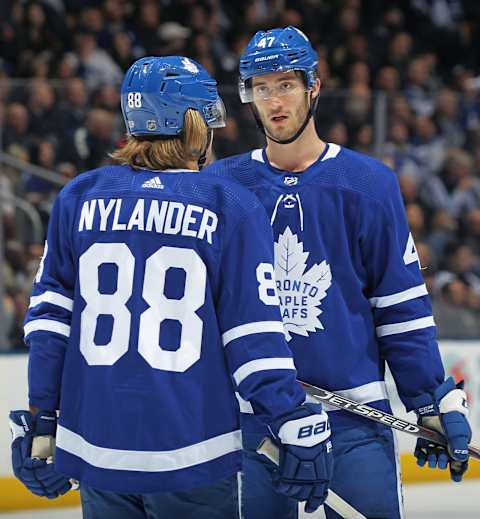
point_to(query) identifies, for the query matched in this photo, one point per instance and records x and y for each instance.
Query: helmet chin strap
(203, 156)
(311, 112)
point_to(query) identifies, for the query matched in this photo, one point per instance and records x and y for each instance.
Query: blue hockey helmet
(157, 91)
(277, 50)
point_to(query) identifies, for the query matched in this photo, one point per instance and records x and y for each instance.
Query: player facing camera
(278, 75)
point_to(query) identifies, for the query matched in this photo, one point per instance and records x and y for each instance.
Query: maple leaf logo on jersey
(300, 291)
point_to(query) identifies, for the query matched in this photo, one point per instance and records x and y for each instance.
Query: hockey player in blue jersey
(154, 303)
(351, 291)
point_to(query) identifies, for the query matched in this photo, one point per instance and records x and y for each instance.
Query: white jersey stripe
(332, 151)
(399, 297)
(257, 155)
(54, 298)
(371, 392)
(406, 326)
(47, 325)
(251, 328)
(257, 365)
(245, 405)
(148, 461)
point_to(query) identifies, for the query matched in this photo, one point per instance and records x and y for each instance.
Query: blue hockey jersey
(154, 302)
(347, 274)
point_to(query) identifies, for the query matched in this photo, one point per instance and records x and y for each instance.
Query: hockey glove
(306, 458)
(445, 411)
(32, 453)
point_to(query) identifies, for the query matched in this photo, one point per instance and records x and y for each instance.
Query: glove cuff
(306, 426)
(447, 397)
(45, 423)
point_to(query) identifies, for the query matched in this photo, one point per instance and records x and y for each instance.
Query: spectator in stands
(45, 119)
(409, 189)
(399, 149)
(417, 88)
(416, 221)
(173, 37)
(428, 147)
(443, 230)
(74, 105)
(147, 20)
(38, 191)
(96, 65)
(455, 189)
(114, 14)
(19, 300)
(399, 53)
(460, 263)
(17, 126)
(67, 66)
(447, 118)
(122, 50)
(35, 36)
(358, 106)
(453, 315)
(338, 133)
(388, 79)
(471, 230)
(90, 145)
(400, 110)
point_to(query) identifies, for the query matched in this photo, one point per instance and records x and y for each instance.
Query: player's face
(281, 100)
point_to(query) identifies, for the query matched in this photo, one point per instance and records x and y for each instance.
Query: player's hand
(306, 458)
(445, 411)
(36, 473)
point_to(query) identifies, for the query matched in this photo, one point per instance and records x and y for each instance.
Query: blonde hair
(169, 152)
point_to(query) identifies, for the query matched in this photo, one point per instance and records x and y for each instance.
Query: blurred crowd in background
(416, 63)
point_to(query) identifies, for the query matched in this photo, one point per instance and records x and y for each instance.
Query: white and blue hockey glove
(33, 451)
(446, 411)
(306, 458)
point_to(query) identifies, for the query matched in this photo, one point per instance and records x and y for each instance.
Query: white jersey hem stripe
(399, 297)
(148, 461)
(47, 325)
(54, 298)
(406, 326)
(261, 365)
(251, 328)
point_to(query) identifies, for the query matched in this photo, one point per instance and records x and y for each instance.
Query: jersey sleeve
(47, 322)
(259, 359)
(401, 306)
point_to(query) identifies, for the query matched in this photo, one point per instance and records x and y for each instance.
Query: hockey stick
(333, 501)
(336, 400)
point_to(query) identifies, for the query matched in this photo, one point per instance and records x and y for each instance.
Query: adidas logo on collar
(153, 183)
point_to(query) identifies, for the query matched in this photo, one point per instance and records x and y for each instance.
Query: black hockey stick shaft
(336, 400)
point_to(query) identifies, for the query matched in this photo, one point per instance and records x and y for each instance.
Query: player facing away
(351, 292)
(154, 303)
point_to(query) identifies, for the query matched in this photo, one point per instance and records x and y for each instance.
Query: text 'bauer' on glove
(446, 411)
(36, 469)
(306, 457)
